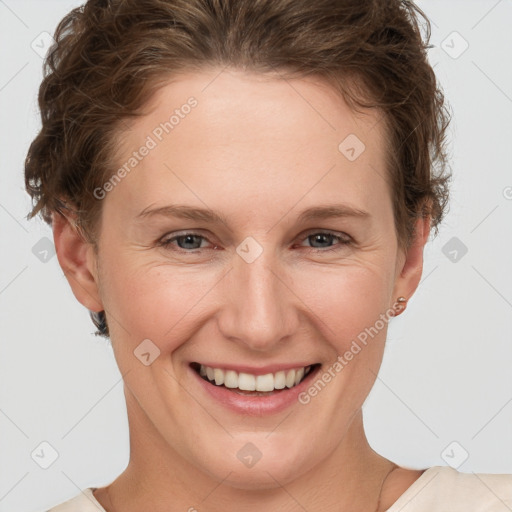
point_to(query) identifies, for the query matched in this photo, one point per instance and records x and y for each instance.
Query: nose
(258, 307)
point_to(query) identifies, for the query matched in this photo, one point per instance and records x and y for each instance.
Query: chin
(258, 462)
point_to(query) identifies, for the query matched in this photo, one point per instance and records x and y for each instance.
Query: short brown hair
(110, 56)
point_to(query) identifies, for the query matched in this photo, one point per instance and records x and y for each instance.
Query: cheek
(346, 301)
(157, 302)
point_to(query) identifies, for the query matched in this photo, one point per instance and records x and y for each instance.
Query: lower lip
(255, 405)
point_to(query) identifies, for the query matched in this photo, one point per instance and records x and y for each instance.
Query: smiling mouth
(254, 385)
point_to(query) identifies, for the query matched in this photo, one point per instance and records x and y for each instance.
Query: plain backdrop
(444, 392)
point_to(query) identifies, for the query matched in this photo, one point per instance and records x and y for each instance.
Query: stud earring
(400, 305)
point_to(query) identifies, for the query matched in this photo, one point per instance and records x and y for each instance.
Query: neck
(157, 478)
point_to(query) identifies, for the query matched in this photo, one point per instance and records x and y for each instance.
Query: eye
(326, 237)
(185, 241)
(191, 242)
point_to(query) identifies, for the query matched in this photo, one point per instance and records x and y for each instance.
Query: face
(292, 256)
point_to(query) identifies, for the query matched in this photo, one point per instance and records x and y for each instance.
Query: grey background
(446, 373)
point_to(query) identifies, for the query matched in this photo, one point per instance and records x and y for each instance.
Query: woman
(239, 193)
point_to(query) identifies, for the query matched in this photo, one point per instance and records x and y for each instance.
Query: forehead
(248, 137)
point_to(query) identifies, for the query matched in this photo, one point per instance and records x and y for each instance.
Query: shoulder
(83, 502)
(441, 486)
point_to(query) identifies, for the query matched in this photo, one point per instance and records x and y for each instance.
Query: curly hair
(110, 56)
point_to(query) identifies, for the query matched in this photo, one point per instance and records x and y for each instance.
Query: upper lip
(256, 370)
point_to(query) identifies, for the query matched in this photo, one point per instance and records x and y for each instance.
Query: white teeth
(279, 380)
(230, 379)
(290, 378)
(219, 376)
(265, 382)
(248, 382)
(298, 375)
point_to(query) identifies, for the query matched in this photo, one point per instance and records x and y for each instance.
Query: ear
(410, 263)
(78, 261)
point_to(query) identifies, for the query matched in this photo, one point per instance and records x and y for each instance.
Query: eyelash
(166, 243)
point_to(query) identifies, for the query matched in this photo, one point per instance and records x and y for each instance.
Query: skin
(257, 149)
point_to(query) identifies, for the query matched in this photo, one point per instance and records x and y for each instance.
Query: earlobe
(77, 260)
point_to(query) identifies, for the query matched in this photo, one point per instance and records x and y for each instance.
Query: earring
(400, 305)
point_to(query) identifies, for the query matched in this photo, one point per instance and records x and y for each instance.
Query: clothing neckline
(93, 498)
(427, 475)
(422, 481)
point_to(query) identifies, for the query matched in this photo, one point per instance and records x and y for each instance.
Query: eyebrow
(210, 216)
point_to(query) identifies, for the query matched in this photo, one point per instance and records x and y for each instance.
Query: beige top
(438, 489)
